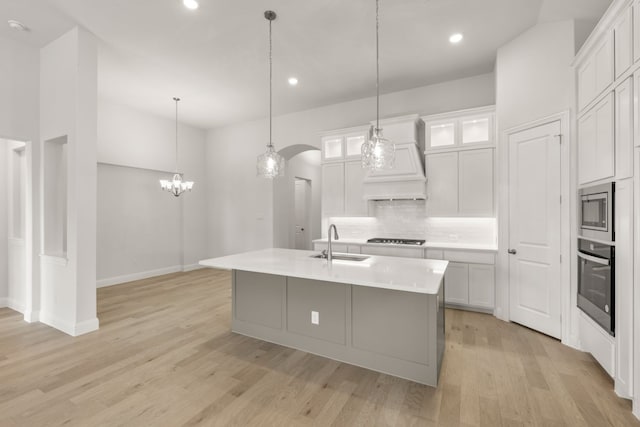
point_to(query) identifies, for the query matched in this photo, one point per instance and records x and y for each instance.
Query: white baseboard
(137, 276)
(31, 316)
(69, 328)
(15, 305)
(192, 267)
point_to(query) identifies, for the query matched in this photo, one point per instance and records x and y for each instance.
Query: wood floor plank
(164, 355)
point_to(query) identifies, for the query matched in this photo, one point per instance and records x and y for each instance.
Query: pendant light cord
(377, 70)
(270, 85)
(176, 99)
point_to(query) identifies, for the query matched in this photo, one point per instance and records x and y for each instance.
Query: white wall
(4, 241)
(534, 80)
(138, 225)
(240, 211)
(169, 229)
(20, 120)
(305, 165)
(534, 75)
(68, 100)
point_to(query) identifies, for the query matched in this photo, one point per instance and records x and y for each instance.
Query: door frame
(308, 208)
(32, 293)
(568, 271)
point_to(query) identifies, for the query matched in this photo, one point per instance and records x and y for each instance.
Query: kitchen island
(381, 313)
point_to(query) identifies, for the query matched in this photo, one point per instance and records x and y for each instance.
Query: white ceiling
(215, 58)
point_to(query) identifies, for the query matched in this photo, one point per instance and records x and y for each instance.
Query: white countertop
(402, 274)
(426, 245)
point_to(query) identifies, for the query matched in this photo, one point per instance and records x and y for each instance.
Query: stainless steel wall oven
(596, 282)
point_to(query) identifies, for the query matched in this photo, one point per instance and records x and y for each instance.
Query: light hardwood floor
(164, 355)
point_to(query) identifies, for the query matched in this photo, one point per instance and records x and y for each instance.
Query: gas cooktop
(393, 241)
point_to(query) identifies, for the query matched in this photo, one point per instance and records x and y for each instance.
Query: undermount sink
(342, 257)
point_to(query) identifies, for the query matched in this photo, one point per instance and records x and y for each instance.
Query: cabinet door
(636, 32)
(624, 130)
(332, 148)
(636, 104)
(604, 63)
(333, 188)
(354, 204)
(596, 72)
(476, 130)
(456, 283)
(442, 184)
(586, 146)
(353, 145)
(481, 285)
(475, 182)
(596, 142)
(605, 145)
(623, 50)
(441, 134)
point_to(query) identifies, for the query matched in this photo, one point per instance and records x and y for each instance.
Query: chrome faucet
(335, 235)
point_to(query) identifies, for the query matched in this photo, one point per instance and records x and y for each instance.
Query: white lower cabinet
(456, 283)
(469, 281)
(481, 285)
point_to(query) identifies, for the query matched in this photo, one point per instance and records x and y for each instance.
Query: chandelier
(378, 152)
(176, 186)
(270, 164)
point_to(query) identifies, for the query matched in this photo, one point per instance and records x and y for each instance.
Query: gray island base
(394, 332)
(381, 313)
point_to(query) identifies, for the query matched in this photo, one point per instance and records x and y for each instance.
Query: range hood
(407, 179)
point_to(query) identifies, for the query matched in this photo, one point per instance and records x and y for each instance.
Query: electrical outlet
(315, 317)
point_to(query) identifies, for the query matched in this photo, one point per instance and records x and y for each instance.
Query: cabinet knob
(512, 251)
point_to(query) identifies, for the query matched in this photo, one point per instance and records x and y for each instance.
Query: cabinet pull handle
(512, 251)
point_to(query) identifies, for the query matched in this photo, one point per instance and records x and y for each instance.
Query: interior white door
(534, 228)
(301, 214)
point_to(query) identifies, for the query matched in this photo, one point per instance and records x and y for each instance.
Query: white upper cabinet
(463, 129)
(624, 129)
(636, 32)
(442, 184)
(595, 72)
(343, 144)
(354, 202)
(623, 42)
(333, 188)
(332, 148)
(596, 142)
(475, 182)
(460, 183)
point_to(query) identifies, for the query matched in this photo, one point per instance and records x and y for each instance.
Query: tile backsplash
(408, 219)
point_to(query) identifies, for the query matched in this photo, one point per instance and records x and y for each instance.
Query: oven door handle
(597, 260)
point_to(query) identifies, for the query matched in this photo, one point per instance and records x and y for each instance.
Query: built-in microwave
(596, 212)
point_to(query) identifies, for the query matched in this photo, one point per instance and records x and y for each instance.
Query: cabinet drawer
(398, 252)
(434, 254)
(470, 257)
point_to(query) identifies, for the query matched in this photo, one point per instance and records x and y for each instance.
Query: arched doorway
(296, 199)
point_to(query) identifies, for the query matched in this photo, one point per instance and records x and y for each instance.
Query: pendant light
(176, 186)
(378, 152)
(270, 164)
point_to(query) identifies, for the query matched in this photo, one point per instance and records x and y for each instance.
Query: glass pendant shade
(378, 152)
(176, 186)
(270, 164)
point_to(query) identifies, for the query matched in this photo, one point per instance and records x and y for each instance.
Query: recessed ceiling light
(293, 81)
(17, 25)
(190, 4)
(456, 38)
